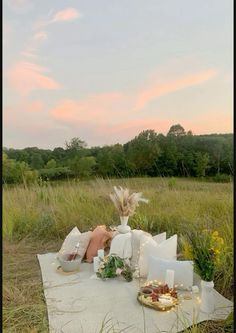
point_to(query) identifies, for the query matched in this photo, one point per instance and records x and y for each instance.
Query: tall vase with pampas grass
(126, 205)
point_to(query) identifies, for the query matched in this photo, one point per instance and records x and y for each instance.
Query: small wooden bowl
(146, 291)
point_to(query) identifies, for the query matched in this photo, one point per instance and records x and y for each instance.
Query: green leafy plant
(205, 249)
(113, 266)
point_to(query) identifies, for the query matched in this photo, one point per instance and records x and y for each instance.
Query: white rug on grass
(82, 303)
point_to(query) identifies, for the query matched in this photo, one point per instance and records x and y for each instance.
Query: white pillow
(165, 250)
(183, 276)
(135, 241)
(121, 245)
(72, 239)
(160, 238)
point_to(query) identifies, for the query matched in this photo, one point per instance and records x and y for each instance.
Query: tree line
(179, 153)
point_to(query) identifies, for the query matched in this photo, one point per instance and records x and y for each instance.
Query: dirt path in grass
(24, 308)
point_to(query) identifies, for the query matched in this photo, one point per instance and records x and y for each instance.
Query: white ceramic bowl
(70, 266)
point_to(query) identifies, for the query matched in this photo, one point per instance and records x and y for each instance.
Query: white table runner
(79, 303)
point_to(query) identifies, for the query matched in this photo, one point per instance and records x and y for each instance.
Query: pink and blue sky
(105, 70)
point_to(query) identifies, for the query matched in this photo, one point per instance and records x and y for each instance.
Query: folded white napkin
(121, 245)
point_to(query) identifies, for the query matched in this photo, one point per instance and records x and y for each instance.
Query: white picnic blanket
(82, 303)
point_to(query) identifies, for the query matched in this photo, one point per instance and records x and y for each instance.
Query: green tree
(105, 162)
(142, 152)
(201, 163)
(117, 159)
(75, 148)
(176, 130)
(59, 154)
(51, 164)
(226, 163)
(166, 163)
(36, 161)
(83, 166)
(190, 133)
(16, 172)
(75, 144)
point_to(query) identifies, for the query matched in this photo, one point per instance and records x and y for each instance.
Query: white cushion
(183, 276)
(135, 242)
(72, 239)
(160, 238)
(165, 250)
(121, 245)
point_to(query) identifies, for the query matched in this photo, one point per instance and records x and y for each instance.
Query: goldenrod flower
(215, 234)
(187, 251)
(221, 241)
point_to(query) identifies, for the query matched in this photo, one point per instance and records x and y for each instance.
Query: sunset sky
(104, 71)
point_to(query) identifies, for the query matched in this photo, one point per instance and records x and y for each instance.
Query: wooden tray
(147, 301)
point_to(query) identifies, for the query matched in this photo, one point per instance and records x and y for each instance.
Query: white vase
(207, 296)
(123, 228)
(124, 220)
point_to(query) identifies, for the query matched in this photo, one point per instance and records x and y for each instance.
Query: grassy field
(36, 219)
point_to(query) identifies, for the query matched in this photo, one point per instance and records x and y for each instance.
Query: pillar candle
(101, 254)
(170, 273)
(96, 263)
(195, 289)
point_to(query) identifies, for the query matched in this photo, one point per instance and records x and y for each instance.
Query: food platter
(160, 298)
(147, 301)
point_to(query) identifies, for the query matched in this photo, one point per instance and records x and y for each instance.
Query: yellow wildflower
(187, 251)
(221, 241)
(215, 234)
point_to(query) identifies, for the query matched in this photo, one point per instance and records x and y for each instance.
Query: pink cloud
(29, 52)
(94, 107)
(65, 15)
(41, 35)
(14, 113)
(26, 77)
(150, 93)
(134, 127)
(117, 105)
(68, 14)
(217, 122)
(67, 110)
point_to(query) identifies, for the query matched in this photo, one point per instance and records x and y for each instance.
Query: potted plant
(126, 204)
(205, 249)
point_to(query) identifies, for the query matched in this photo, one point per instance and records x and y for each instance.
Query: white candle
(195, 289)
(101, 254)
(170, 273)
(96, 263)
